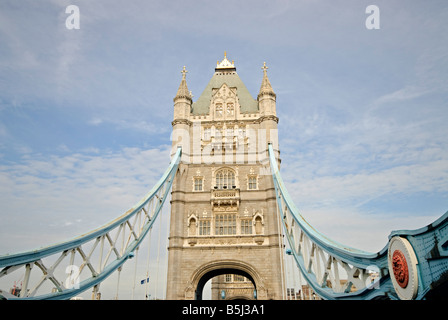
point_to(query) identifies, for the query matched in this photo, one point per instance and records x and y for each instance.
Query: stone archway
(215, 268)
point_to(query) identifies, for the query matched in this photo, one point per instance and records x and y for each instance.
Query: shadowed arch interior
(217, 272)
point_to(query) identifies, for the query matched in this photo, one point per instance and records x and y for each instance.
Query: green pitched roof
(247, 102)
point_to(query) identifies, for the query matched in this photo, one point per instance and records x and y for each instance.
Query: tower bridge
(232, 221)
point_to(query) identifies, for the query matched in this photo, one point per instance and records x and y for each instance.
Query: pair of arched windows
(228, 110)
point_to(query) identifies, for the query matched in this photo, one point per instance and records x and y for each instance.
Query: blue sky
(85, 115)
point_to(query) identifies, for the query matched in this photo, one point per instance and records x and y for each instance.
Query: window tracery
(225, 179)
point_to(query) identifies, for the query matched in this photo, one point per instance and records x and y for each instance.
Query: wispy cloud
(56, 197)
(362, 113)
(149, 127)
(407, 93)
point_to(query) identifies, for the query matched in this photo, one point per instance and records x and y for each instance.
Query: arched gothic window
(219, 110)
(225, 179)
(230, 109)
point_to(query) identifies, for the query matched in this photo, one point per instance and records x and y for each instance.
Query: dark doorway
(217, 272)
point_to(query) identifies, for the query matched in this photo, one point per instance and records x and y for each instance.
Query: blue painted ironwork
(430, 245)
(319, 259)
(153, 201)
(311, 248)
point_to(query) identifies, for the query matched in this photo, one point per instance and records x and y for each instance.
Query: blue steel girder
(430, 245)
(321, 259)
(146, 210)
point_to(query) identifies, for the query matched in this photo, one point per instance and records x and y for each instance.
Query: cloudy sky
(85, 114)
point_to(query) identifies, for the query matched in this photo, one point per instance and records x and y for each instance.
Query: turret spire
(183, 91)
(266, 87)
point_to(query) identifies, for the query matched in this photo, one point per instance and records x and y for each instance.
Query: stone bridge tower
(223, 209)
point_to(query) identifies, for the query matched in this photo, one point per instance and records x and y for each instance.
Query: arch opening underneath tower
(217, 272)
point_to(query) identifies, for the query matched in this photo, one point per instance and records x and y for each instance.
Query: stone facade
(232, 286)
(223, 208)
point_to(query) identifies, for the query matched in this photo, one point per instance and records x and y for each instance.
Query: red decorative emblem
(400, 267)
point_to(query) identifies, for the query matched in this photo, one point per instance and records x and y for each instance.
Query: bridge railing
(55, 271)
(397, 271)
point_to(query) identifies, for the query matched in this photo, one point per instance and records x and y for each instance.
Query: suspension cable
(166, 259)
(280, 240)
(118, 283)
(158, 254)
(147, 266)
(135, 272)
(290, 258)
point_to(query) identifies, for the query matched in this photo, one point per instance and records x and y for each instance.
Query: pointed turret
(266, 97)
(183, 91)
(266, 87)
(183, 99)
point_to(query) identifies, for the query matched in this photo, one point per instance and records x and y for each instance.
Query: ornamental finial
(264, 68)
(225, 63)
(184, 73)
